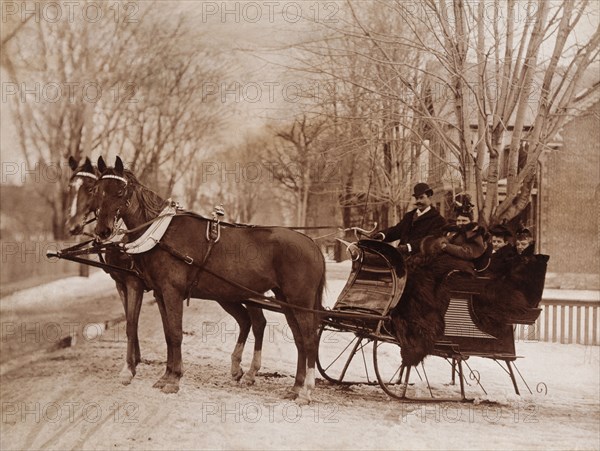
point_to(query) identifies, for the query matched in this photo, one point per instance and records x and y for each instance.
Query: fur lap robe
(511, 295)
(418, 319)
(499, 303)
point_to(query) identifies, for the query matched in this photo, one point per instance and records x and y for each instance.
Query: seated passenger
(502, 250)
(463, 244)
(524, 243)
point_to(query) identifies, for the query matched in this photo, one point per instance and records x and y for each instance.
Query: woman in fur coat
(463, 243)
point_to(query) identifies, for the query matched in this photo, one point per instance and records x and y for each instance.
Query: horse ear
(72, 163)
(101, 164)
(87, 166)
(119, 166)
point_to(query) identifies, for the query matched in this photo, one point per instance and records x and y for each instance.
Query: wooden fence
(564, 321)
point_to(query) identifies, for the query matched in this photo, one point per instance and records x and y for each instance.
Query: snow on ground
(71, 398)
(565, 295)
(97, 284)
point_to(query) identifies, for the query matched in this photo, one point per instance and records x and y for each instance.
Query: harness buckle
(189, 260)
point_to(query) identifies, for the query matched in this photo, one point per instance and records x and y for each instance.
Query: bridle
(125, 204)
(83, 174)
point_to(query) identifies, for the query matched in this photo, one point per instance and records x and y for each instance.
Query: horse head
(80, 198)
(113, 194)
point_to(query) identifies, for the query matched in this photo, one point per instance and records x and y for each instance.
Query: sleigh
(374, 289)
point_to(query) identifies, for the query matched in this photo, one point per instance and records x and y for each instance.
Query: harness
(155, 232)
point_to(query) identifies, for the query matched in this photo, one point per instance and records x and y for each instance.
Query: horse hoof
(126, 374)
(170, 388)
(303, 400)
(238, 376)
(247, 381)
(125, 379)
(290, 395)
(160, 383)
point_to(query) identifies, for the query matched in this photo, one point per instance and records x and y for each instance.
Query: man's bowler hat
(422, 188)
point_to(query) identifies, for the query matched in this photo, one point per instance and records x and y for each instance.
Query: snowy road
(65, 398)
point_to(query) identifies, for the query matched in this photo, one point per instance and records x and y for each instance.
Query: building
(569, 195)
(563, 212)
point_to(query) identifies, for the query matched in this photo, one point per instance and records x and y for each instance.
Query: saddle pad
(153, 233)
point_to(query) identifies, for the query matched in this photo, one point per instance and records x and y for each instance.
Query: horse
(82, 203)
(246, 261)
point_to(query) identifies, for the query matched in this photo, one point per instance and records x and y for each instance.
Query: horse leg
(259, 322)
(137, 308)
(160, 383)
(301, 362)
(173, 305)
(135, 293)
(127, 372)
(240, 314)
(308, 325)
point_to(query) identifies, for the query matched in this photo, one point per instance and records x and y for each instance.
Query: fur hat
(422, 188)
(501, 230)
(463, 206)
(523, 233)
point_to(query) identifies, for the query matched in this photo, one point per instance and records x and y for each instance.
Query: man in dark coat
(423, 221)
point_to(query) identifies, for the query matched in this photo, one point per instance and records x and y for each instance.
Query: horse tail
(320, 290)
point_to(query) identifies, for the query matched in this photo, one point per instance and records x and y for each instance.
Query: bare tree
(292, 161)
(489, 65)
(131, 87)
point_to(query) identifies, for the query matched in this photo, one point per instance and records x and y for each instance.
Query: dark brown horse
(82, 203)
(246, 261)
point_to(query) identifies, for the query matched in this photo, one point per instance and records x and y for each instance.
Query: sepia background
(320, 114)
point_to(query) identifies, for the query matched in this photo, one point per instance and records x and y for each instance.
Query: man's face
(423, 201)
(521, 245)
(498, 242)
(462, 220)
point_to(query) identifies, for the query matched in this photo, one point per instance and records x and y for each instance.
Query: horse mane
(147, 203)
